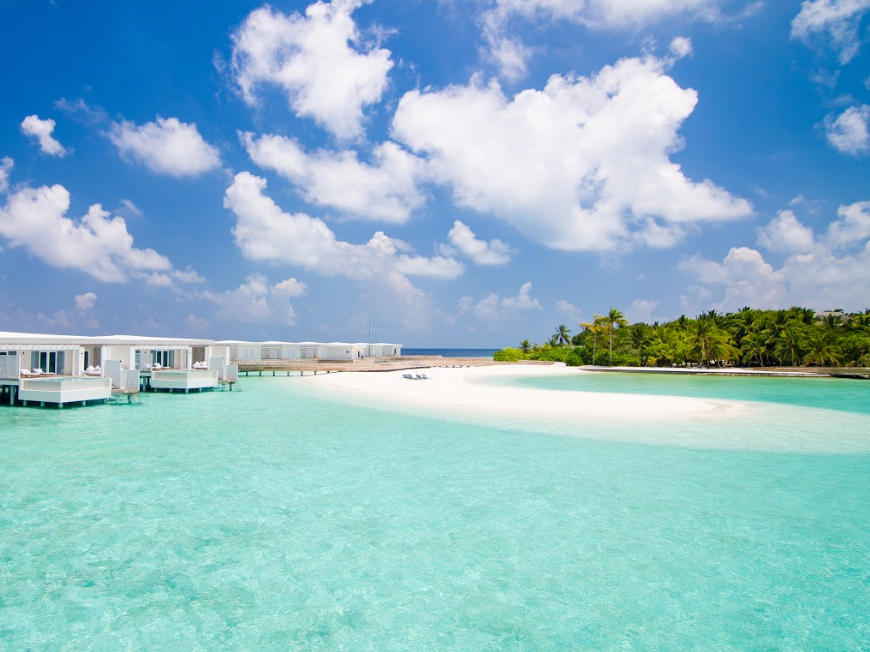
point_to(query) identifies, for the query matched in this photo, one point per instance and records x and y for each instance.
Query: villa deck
(56, 390)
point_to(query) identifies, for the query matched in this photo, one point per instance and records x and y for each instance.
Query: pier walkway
(303, 367)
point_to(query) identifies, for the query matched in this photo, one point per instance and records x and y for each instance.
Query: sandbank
(466, 390)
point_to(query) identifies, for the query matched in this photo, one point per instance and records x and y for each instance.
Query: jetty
(314, 367)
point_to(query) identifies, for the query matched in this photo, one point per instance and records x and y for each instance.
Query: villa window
(163, 358)
(48, 361)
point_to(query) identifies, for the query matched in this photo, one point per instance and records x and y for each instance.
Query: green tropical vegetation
(746, 338)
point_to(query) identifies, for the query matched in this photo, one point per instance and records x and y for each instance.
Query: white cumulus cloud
(568, 309)
(35, 218)
(493, 307)
(130, 207)
(265, 232)
(256, 300)
(583, 164)
(611, 14)
(494, 252)
(681, 47)
(41, 131)
(318, 60)
(86, 301)
(97, 244)
(848, 132)
(641, 310)
(523, 300)
(851, 227)
(166, 146)
(832, 269)
(786, 234)
(838, 20)
(6, 165)
(387, 190)
(512, 56)
(291, 287)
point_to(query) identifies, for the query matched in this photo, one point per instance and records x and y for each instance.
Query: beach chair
(407, 377)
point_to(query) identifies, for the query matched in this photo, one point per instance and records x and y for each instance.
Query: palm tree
(640, 336)
(804, 315)
(753, 347)
(525, 346)
(709, 342)
(741, 324)
(563, 335)
(595, 326)
(822, 350)
(791, 341)
(614, 318)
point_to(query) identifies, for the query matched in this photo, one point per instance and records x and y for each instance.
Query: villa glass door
(47, 361)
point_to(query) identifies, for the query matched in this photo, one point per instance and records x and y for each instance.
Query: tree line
(746, 338)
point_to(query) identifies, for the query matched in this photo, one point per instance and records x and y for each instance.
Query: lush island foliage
(748, 338)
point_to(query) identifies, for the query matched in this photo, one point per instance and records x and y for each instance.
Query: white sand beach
(465, 390)
(466, 394)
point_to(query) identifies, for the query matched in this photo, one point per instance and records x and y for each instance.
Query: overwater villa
(333, 351)
(60, 369)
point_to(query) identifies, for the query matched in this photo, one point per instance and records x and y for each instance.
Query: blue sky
(459, 172)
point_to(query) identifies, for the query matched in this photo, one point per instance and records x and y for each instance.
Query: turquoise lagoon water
(827, 393)
(278, 519)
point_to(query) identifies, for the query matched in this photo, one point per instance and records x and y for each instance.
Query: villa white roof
(10, 338)
(38, 338)
(155, 341)
(83, 340)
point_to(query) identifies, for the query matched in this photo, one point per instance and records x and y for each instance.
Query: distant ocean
(452, 353)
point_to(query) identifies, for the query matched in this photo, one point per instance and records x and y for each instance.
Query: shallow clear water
(274, 519)
(827, 393)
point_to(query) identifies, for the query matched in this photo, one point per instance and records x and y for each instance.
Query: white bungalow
(384, 350)
(275, 350)
(240, 349)
(47, 368)
(165, 363)
(88, 368)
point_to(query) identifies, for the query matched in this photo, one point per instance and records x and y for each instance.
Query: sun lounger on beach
(407, 376)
